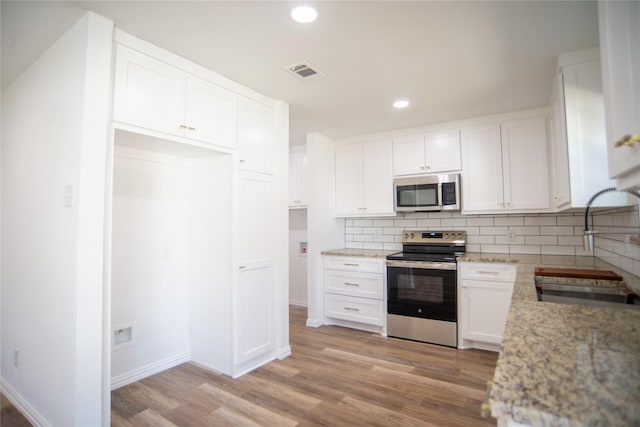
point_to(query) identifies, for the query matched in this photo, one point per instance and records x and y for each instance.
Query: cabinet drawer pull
(351, 264)
(242, 161)
(488, 272)
(190, 128)
(183, 126)
(351, 284)
(351, 309)
(241, 267)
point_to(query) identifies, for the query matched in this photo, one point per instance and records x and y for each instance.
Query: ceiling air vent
(304, 71)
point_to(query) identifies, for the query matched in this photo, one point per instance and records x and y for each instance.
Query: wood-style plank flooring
(335, 377)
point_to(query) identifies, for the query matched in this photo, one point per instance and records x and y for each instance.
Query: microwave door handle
(439, 201)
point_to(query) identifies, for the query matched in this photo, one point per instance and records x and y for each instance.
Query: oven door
(421, 289)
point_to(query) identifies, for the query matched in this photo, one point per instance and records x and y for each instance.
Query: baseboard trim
(298, 303)
(315, 323)
(29, 412)
(148, 370)
(283, 352)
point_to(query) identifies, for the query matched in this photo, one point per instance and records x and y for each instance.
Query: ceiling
(452, 60)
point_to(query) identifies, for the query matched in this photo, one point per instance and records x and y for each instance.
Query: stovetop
(431, 246)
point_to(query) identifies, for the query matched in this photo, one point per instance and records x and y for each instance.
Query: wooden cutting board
(577, 273)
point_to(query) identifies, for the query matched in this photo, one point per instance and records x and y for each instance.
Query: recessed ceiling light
(304, 14)
(401, 103)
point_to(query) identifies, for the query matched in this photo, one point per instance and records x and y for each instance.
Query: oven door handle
(423, 265)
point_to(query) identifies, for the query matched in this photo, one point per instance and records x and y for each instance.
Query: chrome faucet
(588, 234)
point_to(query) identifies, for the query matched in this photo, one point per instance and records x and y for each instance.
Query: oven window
(420, 288)
(418, 195)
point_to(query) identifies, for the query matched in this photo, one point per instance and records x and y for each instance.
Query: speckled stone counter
(366, 253)
(561, 364)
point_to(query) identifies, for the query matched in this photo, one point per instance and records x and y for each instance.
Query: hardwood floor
(335, 377)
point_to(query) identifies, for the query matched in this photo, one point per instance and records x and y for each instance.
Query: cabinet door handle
(351, 284)
(557, 198)
(351, 309)
(241, 267)
(628, 140)
(183, 126)
(422, 167)
(242, 161)
(190, 128)
(351, 265)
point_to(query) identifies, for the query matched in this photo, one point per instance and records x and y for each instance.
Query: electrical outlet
(377, 235)
(16, 357)
(511, 235)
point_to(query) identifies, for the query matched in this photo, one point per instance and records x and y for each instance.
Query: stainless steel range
(421, 287)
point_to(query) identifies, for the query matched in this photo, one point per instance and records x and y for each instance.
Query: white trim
(148, 370)
(29, 412)
(250, 367)
(283, 352)
(298, 303)
(315, 323)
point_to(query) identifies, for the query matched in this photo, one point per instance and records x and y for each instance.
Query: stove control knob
(446, 236)
(459, 236)
(406, 235)
(412, 235)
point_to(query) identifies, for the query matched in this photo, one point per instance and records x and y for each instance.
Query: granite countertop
(365, 253)
(561, 364)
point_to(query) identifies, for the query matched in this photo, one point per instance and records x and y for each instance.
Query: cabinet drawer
(360, 310)
(487, 271)
(368, 285)
(367, 265)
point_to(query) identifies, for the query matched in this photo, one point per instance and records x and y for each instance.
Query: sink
(584, 287)
(583, 293)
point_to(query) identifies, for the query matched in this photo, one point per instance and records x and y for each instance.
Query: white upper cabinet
(364, 179)
(298, 177)
(620, 50)
(148, 93)
(155, 96)
(505, 166)
(256, 136)
(577, 134)
(211, 113)
(433, 152)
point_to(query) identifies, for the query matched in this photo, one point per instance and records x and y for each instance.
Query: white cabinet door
(211, 113)
(561, 188)
(256, 136)
(148, 93)
(377, 177)
(442, 151)
(481, 184)
(297, 178)
(348, 185)
(434, 152)
(409, 155)
(524, 163)
(620, 52)
(254, 296)
(586, 135)
(485, 306)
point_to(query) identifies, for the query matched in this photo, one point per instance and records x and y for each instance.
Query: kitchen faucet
(588, 234)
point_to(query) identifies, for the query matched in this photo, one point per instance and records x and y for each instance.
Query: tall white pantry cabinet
(236, 143)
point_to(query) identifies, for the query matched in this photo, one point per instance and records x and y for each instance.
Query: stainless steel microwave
(427, 193)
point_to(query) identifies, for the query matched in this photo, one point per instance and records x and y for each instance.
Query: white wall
(54, 135)
(621, 249)
(150, 278)
(297, 260)
(324, 231)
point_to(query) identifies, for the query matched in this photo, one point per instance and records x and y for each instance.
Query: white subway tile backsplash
(545, 234)
(480, 221)
(509, 220)
(564, 230)
(432, 222)
(540, 220)
(524, 249)
(541, 240)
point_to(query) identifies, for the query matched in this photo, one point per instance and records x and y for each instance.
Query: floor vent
(304, 71)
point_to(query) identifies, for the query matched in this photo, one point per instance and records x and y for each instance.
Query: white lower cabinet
(484, 291)
(355, 292)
